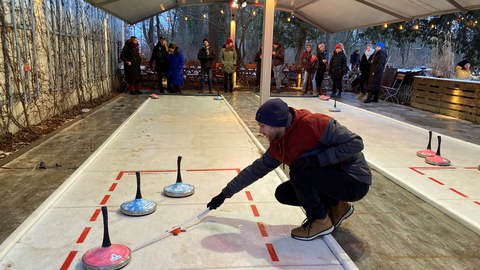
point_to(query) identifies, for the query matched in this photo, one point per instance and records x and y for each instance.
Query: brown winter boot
(310, 230)
(340, 212)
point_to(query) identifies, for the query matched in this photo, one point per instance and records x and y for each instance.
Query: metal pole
(26, 50)
(267, 51)
(17, 47)
(36, 83)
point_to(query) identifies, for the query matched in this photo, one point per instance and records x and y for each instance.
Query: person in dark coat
(355, 59)
(206, 57)
(364, 71)
(376, 73)
(337, 69)
(175, 73)
(130, 56)
(159, 57)
(323, 58)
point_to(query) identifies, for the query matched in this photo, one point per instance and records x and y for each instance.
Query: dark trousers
(337, 86)
(319, 81)
(228, 82)
(317, 189)
(362, 82)
(208, 72)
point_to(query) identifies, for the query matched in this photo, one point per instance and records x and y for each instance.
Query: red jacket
(301, 137)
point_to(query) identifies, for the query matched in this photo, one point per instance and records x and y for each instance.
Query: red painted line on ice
(119, 176)
(415, 170)
(262, 229)
(83, 235)
(69, 260)
(271, 251)
(95, 215)
(459, 193)
(435, 180)
(254, 210)
(471, 168)
(105, 199)
(477, 202)
(249, 195)
(436, 168)
(112, 187)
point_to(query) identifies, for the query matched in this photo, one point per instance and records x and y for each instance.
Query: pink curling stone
(113, 257)
(437, 160)
(425, 153)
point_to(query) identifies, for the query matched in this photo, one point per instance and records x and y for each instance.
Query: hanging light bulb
(385, 25)
(416, 27)
(400, 27)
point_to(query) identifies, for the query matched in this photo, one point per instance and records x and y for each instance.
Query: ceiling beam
(457, 5)
(384, 10)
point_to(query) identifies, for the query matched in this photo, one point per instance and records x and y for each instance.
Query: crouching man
(327, 167)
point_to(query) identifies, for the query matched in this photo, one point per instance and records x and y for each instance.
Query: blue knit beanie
(273, 113)
(381, 45)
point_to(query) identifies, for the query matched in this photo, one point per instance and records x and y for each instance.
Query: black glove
(305, 162)
(216, 201)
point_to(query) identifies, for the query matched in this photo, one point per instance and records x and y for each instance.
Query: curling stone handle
(139, 193)
(429, 146)
(179, 175)
(439, 144)
(106, 236)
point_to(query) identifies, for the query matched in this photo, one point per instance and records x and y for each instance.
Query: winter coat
(305, 59)
(206, 58)
(463, 74)
(279, 57)
(175, 73)
(338, 65)
(131, 53)
(228, 58)
(365, 64)
(160, 57)
(376, 69)
(309, 134)
(312, 65)
(322, 67)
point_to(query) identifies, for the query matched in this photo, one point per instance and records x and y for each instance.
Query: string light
(385, 25)
(221, 11)
(416, 27)
(400, 27)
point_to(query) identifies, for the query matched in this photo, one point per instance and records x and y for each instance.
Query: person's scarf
(368, 53)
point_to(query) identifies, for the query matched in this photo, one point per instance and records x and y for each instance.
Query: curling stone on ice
(138, 206)
(437, 159)
(179, 189)
(108, 256)
(427, 152)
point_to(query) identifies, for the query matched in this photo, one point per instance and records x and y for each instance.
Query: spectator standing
(160, 58)
(258, 71)
(228, 59)
(206, 57)
(130, 56)
(323, 58)
(377, 67)
(311, 68)
(355, 59)
(327, 167)
(278, 60)
(307, 54)
(337, 69)
(177, 61)
(365, 71)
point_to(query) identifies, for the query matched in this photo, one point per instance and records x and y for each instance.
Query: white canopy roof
(328, 15)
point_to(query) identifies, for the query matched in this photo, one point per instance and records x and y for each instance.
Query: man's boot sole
(327, 231)
(345, 216)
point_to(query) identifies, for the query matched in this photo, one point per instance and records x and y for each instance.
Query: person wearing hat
(462, 70)
(377, 67)
(327, 167)
(160, 58)
(206, 57)
(228, 58)
(337, 69)
(130, 56)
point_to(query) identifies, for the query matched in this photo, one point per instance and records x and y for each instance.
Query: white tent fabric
(329, 15)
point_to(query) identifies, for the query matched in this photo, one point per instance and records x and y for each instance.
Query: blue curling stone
(138, 207)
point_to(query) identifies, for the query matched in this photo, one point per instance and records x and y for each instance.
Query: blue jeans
(208, 72)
